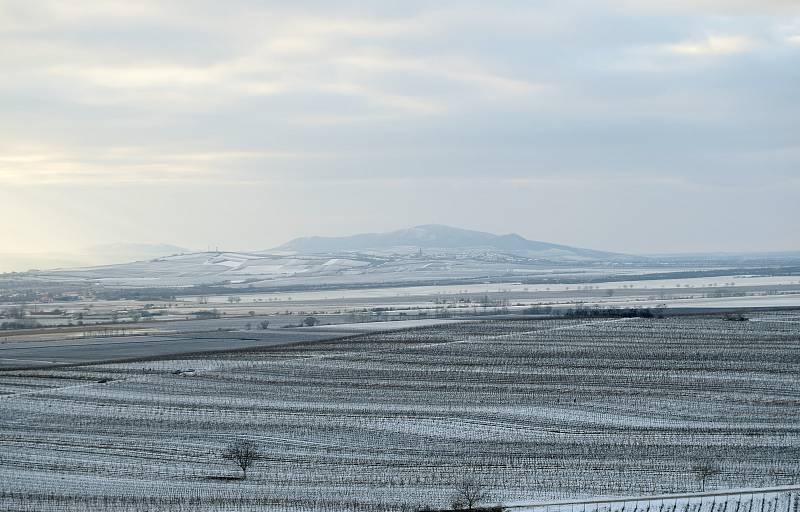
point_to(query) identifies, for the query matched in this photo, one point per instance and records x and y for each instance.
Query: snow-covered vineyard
(771, 499)
(537, 410)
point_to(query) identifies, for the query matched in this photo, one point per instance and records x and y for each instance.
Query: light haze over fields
(635, 127)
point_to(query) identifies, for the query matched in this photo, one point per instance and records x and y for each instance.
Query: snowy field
(769, 499)
(722, 282)
(538, 410)
(32, 354)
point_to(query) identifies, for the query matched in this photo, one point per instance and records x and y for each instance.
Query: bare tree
(703, 472)
(243, 453)
(310, 321)
(264, 325)
(469, 493)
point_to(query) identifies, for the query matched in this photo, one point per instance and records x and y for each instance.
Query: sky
(622, 125)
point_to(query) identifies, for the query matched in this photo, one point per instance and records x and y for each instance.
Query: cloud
(727, 7)
(461, 71)
(119, 165)
(711, 46)
(276, 51)
(430, 94)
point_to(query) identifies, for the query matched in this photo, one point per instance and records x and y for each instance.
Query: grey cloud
(648, 94)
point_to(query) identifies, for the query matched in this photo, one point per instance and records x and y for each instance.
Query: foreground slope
(537, 410)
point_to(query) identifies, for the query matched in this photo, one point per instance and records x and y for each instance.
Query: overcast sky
(633, 126)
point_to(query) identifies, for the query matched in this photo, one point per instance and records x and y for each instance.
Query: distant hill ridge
(434, 236)
(448, 253)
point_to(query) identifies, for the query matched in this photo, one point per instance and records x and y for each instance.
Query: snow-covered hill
(420, 254)
(438, 237)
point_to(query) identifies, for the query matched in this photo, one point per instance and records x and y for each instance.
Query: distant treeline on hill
(613, 313)
(596, 312)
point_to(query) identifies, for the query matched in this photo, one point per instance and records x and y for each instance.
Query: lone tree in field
(469, 493)
(703, 472)
(243, 453)
(310, 321)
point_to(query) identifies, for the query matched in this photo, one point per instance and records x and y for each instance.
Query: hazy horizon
(670, 127)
